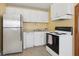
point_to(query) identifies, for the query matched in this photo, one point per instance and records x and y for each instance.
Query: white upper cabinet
(35, 16)
(61, 11)
(29, 15)
(12, 11)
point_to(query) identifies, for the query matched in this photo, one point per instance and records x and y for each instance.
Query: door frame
(76, 31)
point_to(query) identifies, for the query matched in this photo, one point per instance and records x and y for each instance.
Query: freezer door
(12, 42)
(11, 20)
(11, 23)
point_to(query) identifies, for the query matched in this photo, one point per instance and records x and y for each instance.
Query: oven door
(52, 42)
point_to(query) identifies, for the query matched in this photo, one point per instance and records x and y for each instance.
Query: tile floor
(34, 51)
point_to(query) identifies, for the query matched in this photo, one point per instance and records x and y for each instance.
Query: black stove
(52, 38)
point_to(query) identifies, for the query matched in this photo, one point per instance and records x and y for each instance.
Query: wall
(29, 26)
(64, 23)
(2, 8)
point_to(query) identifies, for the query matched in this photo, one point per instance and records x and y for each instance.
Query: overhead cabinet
(61, 11)
(29, 15)
(35, 16)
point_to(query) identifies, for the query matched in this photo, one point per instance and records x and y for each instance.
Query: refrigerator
(12, 34)
(1, 32)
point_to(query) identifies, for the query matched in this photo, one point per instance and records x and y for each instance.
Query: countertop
(35, 31)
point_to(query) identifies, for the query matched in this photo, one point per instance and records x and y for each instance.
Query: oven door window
(50, 39)
(55, 47)
(53, 42)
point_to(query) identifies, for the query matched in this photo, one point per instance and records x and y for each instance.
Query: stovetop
(57, 33)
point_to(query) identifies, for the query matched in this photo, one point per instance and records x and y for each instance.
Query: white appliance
(12, 33)
(59, 43)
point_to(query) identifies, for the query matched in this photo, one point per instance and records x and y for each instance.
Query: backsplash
(29, 26)
(64, 23)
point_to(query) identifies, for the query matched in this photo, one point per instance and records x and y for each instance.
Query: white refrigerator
(12, 34)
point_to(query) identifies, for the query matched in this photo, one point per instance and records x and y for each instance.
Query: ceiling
(42, 6)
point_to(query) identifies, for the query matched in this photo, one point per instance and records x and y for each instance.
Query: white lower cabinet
(34, 39)
(43, 38)
(28, 39)
(37, 39)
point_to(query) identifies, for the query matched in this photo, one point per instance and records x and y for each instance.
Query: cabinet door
(26, 15)
(43, 16)
(60, 9)
(40, 38)
(24, 40)
(37, 38)
(43, 38)
(28, 39)
(34, 16)
(70, 8)
(12, 10)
